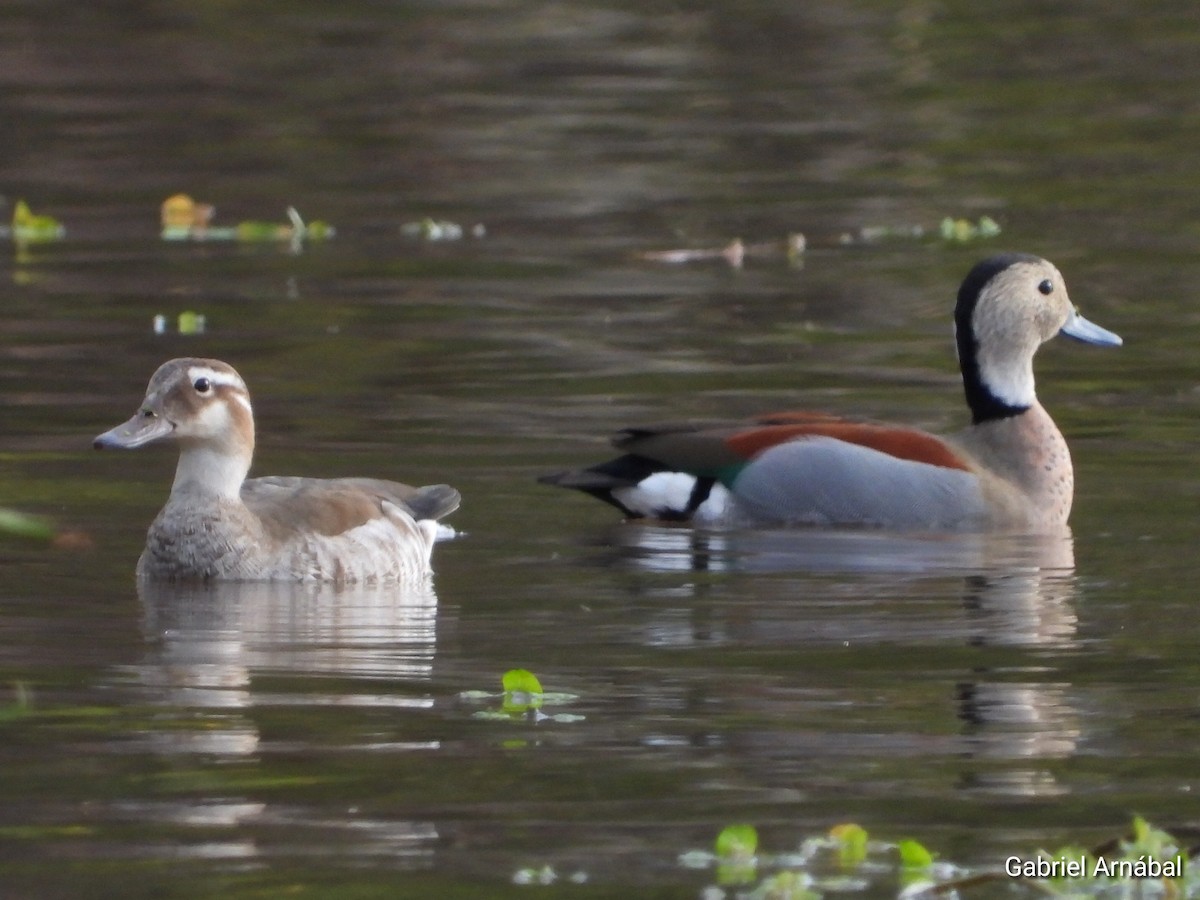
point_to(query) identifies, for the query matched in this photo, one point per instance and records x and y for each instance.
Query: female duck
(219, 525)
(1010, 469)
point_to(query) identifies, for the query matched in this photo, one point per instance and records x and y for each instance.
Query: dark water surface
(986, 696)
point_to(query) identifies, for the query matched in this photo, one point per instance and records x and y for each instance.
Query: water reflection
(218, 654)
(208, 643)
(872, 592)
(658, 548)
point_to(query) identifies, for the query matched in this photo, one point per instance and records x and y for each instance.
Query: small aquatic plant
(963, 230)
(1149, 862)
(28, 227)
(521, 696)
(737, 848)
(185, 219)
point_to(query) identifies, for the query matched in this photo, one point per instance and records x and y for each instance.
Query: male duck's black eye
(1046, 287)
(202, 385)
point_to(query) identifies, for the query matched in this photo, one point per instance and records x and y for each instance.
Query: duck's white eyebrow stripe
(223, 379)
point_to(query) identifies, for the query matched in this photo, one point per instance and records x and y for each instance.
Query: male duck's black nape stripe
(984, 405)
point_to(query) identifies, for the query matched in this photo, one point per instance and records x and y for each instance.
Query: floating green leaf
(851, 841)
(253, 232)
(787, 886)
(914, 856)
(1149, 862)
(737, 842)
(962, 230)
(28, 227)
(522, 695)
(319, 231)
(191, 322)
(522, 691)
(736, 846)
(521, 680)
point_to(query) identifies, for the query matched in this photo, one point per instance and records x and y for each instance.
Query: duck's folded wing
(432, 501)
(334, 506)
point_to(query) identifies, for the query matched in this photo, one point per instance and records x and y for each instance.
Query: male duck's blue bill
(217, 524)
(1010, 469)
(1081, 329)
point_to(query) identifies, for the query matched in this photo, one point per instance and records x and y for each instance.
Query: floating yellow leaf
(183, 218)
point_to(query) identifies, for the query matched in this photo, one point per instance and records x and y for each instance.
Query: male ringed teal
(1009, 469)
(217, 524)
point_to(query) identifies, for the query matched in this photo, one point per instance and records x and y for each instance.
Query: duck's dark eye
(1046, 287)
(202, 385)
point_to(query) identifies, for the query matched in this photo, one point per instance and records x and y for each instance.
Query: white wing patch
(671, 492)
(662, 491)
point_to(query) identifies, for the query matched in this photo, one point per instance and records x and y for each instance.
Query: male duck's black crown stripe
(984, 405)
